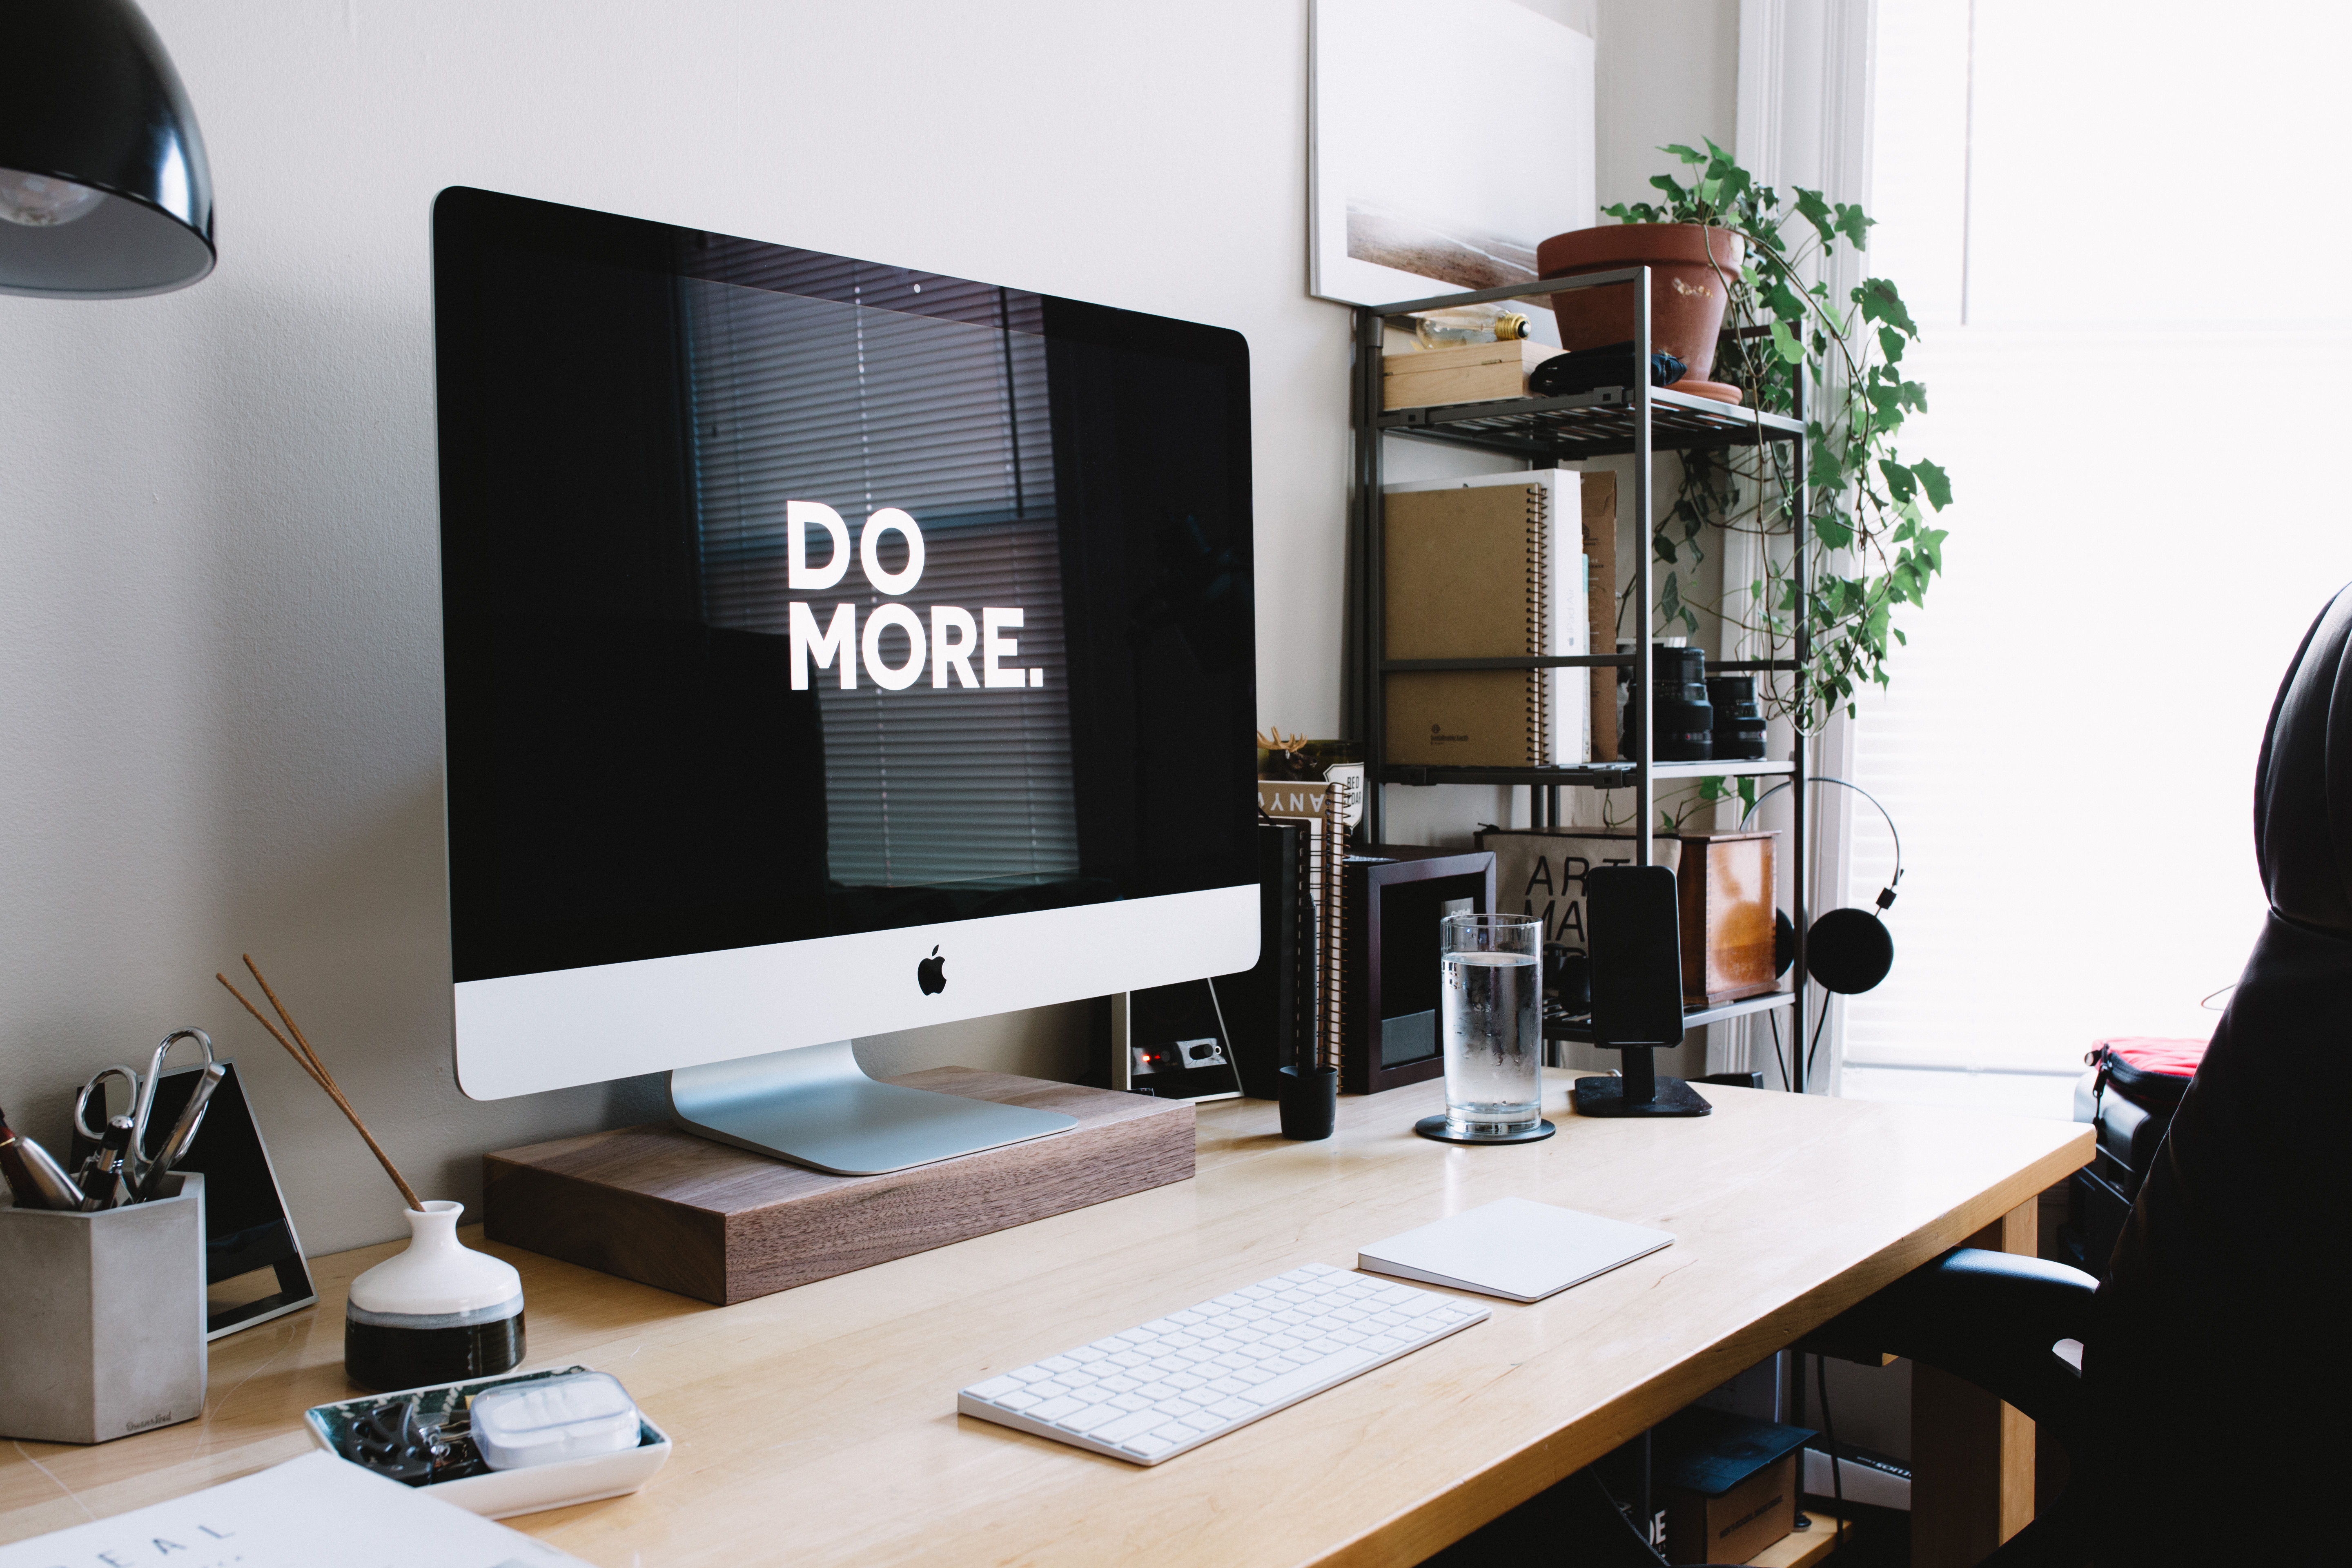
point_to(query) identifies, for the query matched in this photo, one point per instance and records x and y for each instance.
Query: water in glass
(1492, 1024)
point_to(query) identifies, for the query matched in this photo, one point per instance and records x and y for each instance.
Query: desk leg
(1971, 1456)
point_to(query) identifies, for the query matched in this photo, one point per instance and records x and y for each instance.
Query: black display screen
(787, 595)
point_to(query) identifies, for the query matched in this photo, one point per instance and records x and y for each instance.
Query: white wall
(218, 615)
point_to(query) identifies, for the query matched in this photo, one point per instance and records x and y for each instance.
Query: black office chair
(2211, 1407)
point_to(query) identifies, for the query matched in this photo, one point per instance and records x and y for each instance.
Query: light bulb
(43, 201)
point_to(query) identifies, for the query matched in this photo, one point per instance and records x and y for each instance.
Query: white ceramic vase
(438, 1313)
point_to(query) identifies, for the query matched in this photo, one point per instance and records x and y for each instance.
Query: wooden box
(723, 1225)
(1470, 372)
(1736, 1526)
(1724, 881)
(1392, 898)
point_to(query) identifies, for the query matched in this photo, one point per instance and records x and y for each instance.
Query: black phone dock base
(1640, 1092)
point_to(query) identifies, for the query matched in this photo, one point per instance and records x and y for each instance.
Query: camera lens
(1739, 726)
(1682, 723)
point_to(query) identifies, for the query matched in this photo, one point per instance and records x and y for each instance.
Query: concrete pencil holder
(105, 1317)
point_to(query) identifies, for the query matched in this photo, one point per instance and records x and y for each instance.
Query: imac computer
(831, 649)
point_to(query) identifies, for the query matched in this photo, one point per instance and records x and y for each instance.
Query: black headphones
(1848, 951)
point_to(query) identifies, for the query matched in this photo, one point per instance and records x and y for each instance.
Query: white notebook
(1519, 1250)
(316, 1509)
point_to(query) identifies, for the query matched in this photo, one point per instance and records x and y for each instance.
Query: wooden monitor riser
(723, 1225)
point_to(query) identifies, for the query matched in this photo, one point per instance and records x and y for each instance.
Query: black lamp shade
(92, 99)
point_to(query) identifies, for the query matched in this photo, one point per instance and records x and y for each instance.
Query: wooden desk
(819, 1425)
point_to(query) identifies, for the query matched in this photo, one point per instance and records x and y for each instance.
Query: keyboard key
(1227, 1385)
(1092, 1417)
(1149, 1448)
(1232, 1409)
(1017, 1400)
(1132, 1424)
(1053, 1409)
(1291, 1385)
(1178, 1432)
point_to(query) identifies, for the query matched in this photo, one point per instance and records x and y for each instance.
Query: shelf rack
(1641, 420)
(1578, 1026)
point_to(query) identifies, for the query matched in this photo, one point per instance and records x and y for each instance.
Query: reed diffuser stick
(308, 1059)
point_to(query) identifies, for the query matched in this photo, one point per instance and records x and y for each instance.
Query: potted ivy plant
(1866, 503)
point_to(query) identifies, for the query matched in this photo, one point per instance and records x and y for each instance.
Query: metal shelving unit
(1641, 420)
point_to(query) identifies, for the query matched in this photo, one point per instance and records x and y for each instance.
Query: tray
(501, 1494)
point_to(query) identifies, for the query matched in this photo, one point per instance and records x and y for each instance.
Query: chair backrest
(2213, 1318)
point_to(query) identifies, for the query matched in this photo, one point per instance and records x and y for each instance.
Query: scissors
(142, 1092)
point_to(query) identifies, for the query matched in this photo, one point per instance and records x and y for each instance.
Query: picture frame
(1443, 143)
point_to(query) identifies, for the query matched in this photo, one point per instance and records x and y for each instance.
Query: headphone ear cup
(1784, 942)
(1849, 951)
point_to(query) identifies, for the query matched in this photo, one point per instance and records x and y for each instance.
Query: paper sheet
(304, 1513)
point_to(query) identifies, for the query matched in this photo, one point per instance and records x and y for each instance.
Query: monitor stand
(816, 1107)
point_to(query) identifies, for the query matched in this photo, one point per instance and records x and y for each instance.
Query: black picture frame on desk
(1391, 898)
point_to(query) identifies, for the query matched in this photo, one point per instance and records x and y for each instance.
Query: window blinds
(830, 395)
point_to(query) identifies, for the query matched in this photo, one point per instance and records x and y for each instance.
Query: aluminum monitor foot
(816, 1107)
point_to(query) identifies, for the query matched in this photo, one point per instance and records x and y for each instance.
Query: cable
(1815, 1050)
(1886, 815)
(1837, 1466)
(1773, 1018)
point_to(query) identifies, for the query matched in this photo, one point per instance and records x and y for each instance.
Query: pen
(184, 1130)
(35, 1180)
(110, 1186)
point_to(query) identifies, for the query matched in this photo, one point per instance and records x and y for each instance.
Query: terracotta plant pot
(1686, 293)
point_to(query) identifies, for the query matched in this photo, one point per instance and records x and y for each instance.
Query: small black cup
(1310, 1102)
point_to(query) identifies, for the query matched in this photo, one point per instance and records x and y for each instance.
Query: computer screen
(831, 647)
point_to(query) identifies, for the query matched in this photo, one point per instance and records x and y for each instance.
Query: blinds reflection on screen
(861, 407)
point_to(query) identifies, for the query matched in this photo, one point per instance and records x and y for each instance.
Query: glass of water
(1491, 1019)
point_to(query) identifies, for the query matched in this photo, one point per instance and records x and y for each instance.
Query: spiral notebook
(1486, 567)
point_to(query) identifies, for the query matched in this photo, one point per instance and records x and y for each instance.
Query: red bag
(2151, 1074)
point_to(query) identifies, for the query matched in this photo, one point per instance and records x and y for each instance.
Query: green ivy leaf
(1686, 155)
(1880, 302)
(1890, 344)
(1851, 223)
(1785, 342)
(1933, 480)
(1816, 211)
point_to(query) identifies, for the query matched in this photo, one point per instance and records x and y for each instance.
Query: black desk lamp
(1637, 991)
(104, 190)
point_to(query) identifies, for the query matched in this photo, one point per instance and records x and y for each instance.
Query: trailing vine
(1865, 501)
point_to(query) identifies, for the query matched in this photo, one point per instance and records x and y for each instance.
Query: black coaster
(1435, 1127)
(1606, 1097)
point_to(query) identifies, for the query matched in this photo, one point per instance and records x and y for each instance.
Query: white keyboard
(1151, 1392)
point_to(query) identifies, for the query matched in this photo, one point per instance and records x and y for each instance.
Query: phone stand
(1639, 1093)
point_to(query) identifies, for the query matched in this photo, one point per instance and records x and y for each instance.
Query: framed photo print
(1446, 139)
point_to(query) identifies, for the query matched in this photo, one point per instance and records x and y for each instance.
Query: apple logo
(931, 974)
